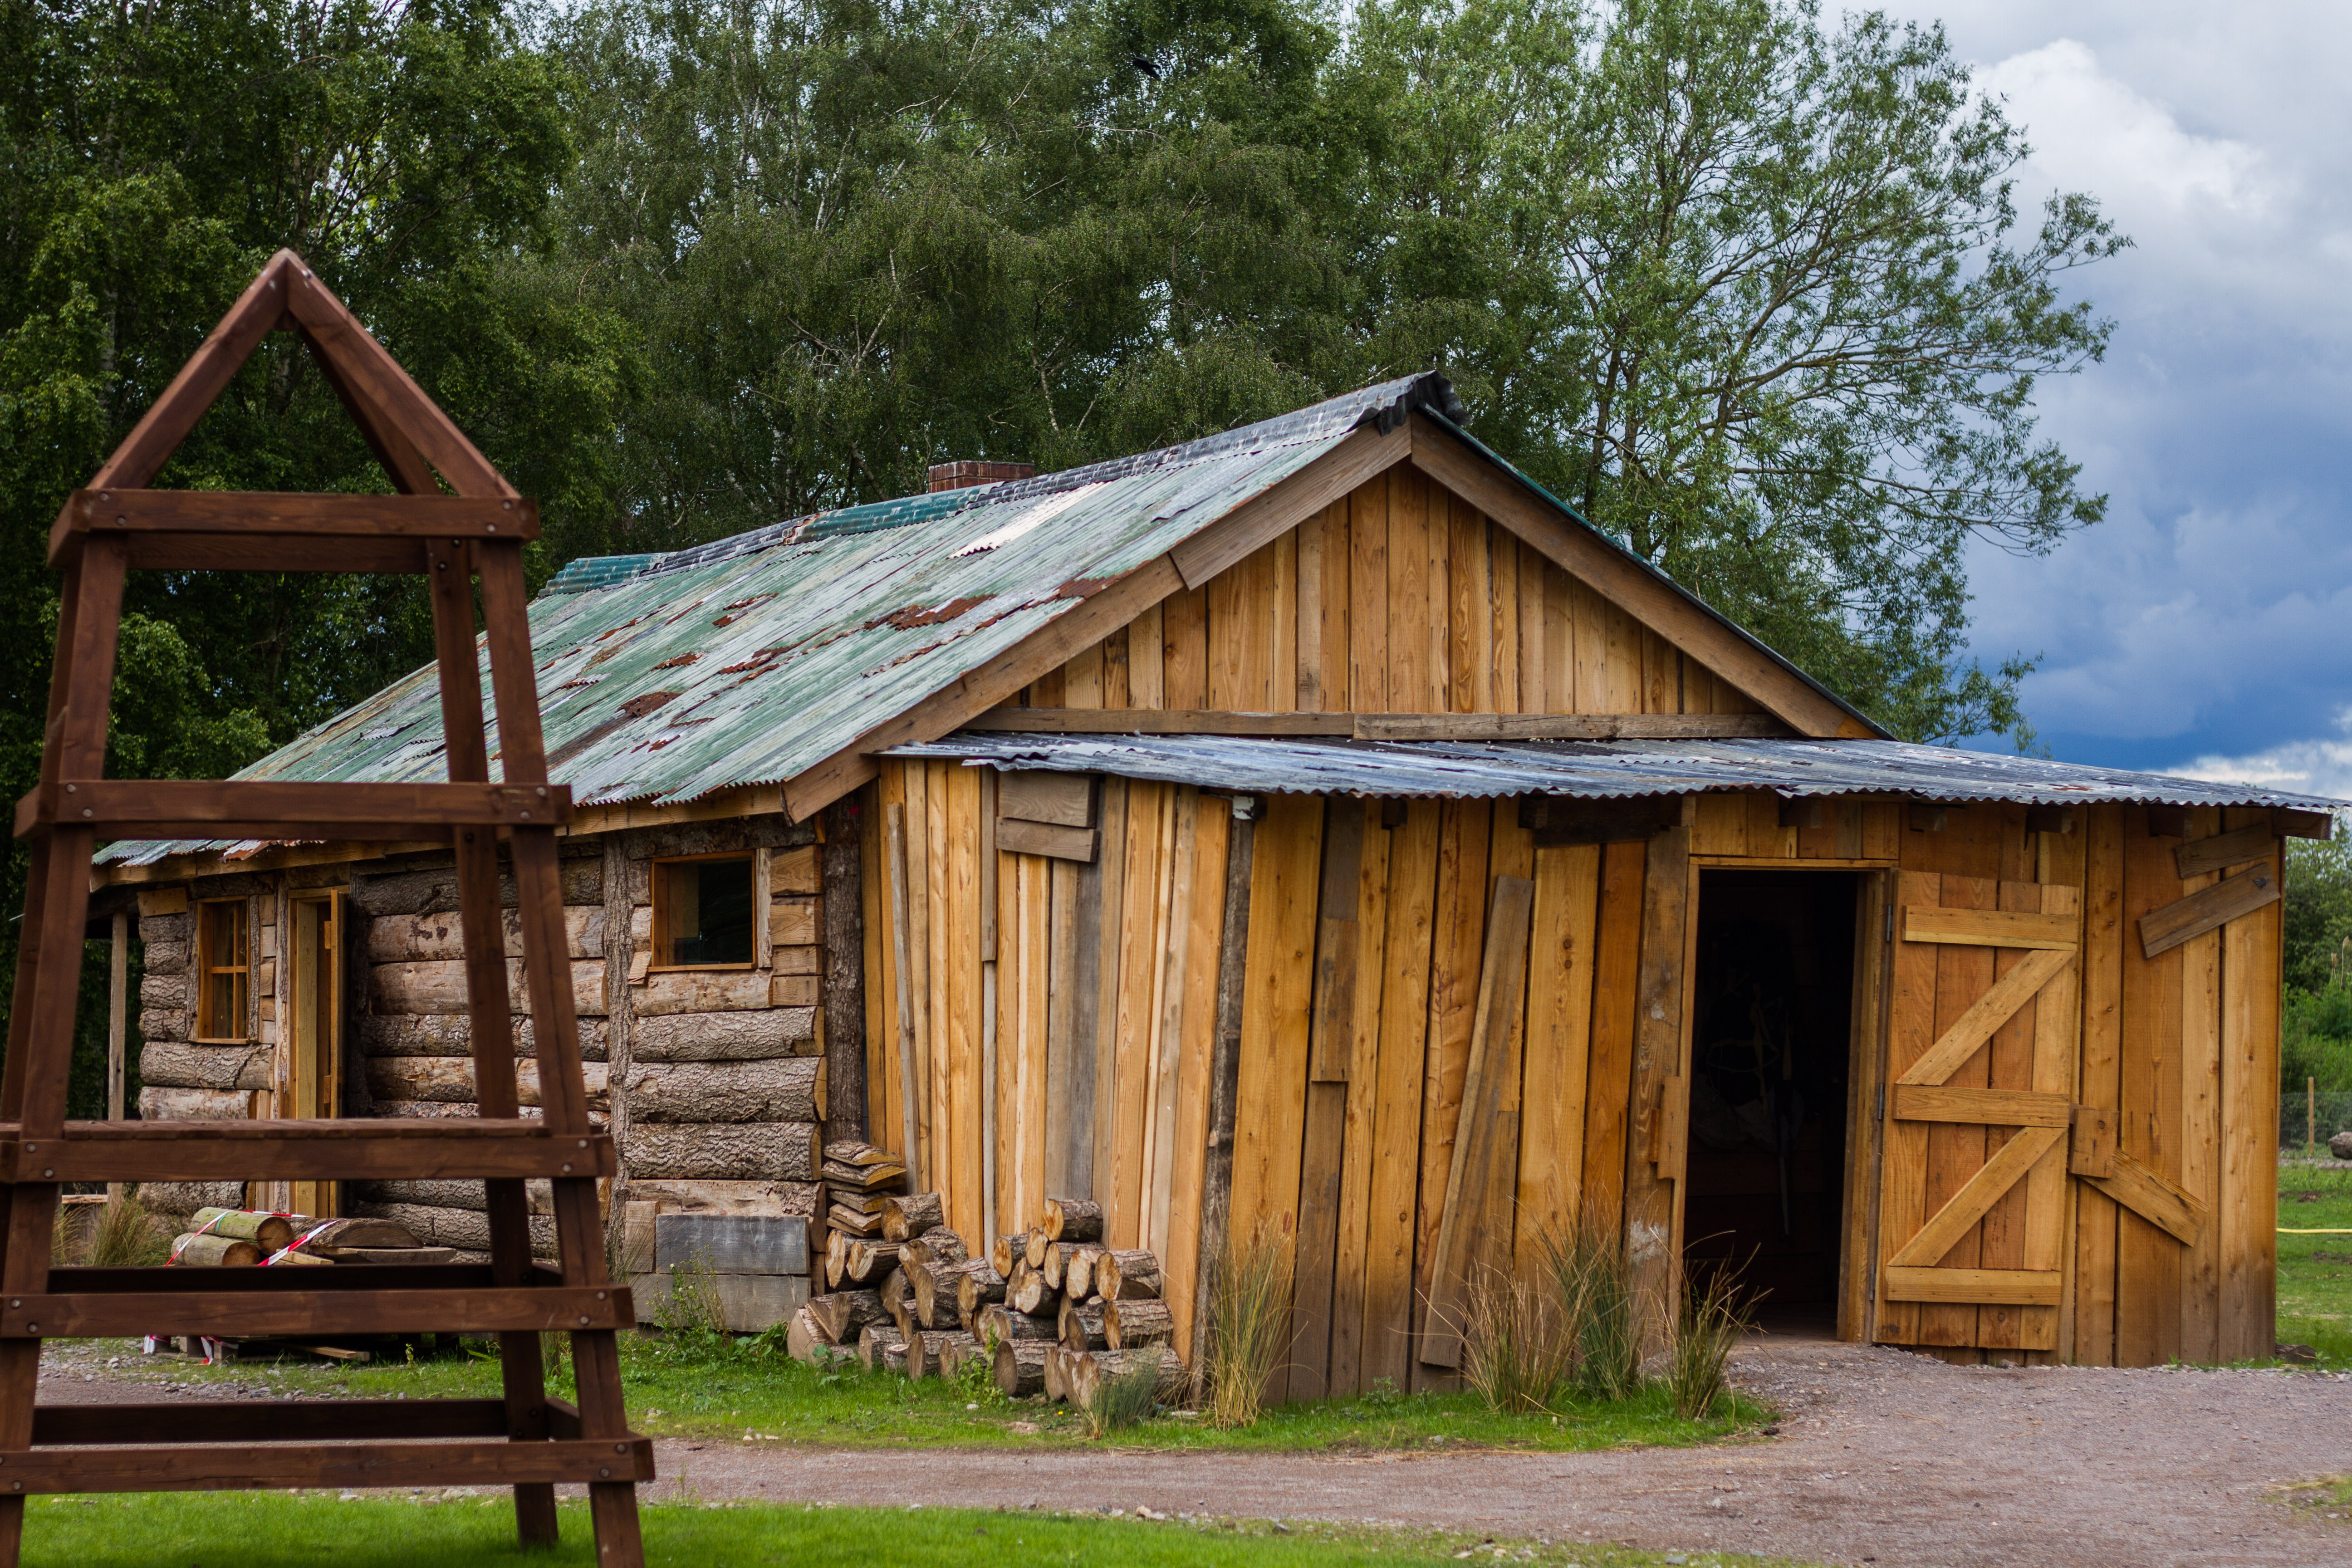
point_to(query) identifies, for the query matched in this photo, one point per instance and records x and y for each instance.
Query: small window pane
(708, 911)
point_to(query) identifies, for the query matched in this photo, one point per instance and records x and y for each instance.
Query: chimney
(960, 476)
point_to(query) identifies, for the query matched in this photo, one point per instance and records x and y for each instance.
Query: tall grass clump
(1594, 1291)
(1122, 1400)
(1713, 1318)
(123, 1234)
(1249, 1328)
(1517, 1350)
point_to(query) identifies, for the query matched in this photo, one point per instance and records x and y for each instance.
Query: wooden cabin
(1317, 836)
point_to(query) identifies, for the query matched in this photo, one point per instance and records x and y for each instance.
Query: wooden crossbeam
(371, 1150)
(269, 1420)
(2161, 930)
(236, 808)
(90, 1315)
(1986, 1014)
(165, 1468)
(1988, 928)
(1977, 1287)
(1976, 1196)
(2155, 1197)
(156, 523)
(1984, 1107)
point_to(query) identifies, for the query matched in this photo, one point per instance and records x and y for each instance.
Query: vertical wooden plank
(1911, 1029)
(1211, 825)
(2060, 866)
(2252, 953)
(1561, 689)
(2201, 1118)
(1487, 1138)
(1330, 1058)
(881, 1013)
(1102, 1022)
(1624, 673)
(1535, 649)
(1661, 675)
(996, 906)
(1460, 939)
(960, 787)
(1282, 641)
(941, 1155)
(1368, 596)
(1168, 1029)
(1610, 1082)
(1651, 1192)
(2001, 1325)
(2147, 1261)
(1469, 619)
(1147, 661)
(1865, 1134)
(1503, 580)
(1269, 1125)
(1409, 677)
(1591, 615)
(1337, 628)
(1437, 580)
(1720, 824)
(2096, 1215)
(1397, 1112)
(1560, 1032)
(1228, 593)
(1309, 536)
(1766, 837)
(1955, 1150)
(918, 998)
(1030, 1092)
(1140, 949)
(1184, 633)
(1217, 1231)
(1116, 688)
(1051, 689)
(1351, 1259)
(1072, 982)
(1082, 679)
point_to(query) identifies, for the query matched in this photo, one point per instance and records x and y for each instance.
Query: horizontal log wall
(1399, 598)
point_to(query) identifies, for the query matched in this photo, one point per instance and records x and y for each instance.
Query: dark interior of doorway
(1772, 1047)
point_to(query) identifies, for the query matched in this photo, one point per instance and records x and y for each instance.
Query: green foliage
(1249, 1327)
(2314, 1272)
(2318, 912)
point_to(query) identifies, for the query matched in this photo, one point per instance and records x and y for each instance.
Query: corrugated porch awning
(1596, 770)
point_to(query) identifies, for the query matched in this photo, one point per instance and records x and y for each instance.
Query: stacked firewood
(232, 1239)
(858, 1180)
(1074, 1311)
(1049, 1309)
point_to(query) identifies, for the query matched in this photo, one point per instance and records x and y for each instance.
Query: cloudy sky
(2207, 626)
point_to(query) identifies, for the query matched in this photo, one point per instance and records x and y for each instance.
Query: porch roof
(1594, 769)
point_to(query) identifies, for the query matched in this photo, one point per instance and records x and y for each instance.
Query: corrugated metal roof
(749, 660)
(1591, 769)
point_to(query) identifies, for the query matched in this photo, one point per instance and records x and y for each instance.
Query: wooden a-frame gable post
(525, 1439)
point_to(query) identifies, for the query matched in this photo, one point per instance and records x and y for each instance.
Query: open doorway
(1771, 1054)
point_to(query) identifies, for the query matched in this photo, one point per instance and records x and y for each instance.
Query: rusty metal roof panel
(1592, 769)
(749, 660)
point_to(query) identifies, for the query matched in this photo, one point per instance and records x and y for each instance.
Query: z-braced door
(1982, 1130)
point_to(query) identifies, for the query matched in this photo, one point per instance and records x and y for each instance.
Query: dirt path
(1883, 1457)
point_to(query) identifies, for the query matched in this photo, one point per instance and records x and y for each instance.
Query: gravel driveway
(1883, 1457)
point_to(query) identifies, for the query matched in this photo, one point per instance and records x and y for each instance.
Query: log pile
(238, 1238)
(858, 1180)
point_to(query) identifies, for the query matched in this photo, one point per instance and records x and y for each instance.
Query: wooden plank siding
(1360, 997)
(1399, 598)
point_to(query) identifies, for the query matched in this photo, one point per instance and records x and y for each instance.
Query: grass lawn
(2314, 1272)
(272, 1530)
(712, 1386)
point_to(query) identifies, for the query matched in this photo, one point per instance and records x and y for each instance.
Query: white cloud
(2321, 767)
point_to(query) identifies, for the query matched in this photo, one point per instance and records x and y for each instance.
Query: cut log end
(1073, 1220)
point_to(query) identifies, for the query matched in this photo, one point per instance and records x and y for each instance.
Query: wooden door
(1980, 1073)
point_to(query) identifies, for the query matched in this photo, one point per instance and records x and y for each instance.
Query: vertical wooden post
(117, 1008)
(1225, 1083)
(841, 880)
(2310, 1096)
(909, 1088)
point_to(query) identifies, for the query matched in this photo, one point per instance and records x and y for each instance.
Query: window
(224, 970)
(703, 912)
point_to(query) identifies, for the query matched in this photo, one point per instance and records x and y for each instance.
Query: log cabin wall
(711, 1080)
(1399, 598)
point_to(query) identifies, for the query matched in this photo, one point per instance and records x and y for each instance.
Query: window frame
(750, 859)
(239, 913)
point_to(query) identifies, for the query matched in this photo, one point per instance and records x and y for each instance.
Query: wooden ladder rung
(232, 808)
(429, 1462)
(209, 530)
(308, 1311)
(374, 1149)
(273, 1420)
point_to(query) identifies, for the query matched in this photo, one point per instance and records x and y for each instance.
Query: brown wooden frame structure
(526, 1439)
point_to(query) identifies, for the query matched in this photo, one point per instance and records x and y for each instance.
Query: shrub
(1518, 1351)
(1706, 1332)
(1121, 1401)
(1594, 1290)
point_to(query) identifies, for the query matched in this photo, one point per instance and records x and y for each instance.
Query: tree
(156, 154)
(1755, 297)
